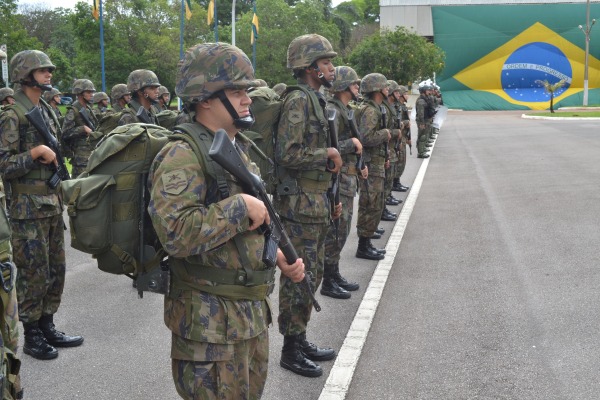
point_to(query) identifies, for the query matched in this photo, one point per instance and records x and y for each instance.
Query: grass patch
(584, 114)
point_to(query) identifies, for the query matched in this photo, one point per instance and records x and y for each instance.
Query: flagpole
(233, 22)
(102, 47)
(181, 43)
(216, 24)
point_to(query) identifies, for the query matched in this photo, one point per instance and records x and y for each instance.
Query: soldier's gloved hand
(334, 156)
(257, 211)
(293, 271)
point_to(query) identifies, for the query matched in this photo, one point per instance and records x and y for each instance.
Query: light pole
(586, 31)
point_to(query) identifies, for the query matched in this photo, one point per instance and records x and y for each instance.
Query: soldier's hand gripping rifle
(85, 114)
(36, 119)
(360, 160)
(224, 153)
(334, 192)
(383, 110)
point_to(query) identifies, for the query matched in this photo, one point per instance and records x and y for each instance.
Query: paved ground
(493, 293)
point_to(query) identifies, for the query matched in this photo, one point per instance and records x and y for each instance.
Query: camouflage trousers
(333, 247)
(240, 376)
(79, 163)
(370, 205)
(423, 138)
(390, 173)
(401, 164)
(39, 253)
(295, 305)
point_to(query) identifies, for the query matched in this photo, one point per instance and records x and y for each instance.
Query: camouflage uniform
(219, 342)
(404, 117)
(396, 137)
(423, 123)
(162, 90)
(5, 93)
(100, 111)
(371, 200)
(48, 97)
(138, 80)
(117, 92)
(74, 133)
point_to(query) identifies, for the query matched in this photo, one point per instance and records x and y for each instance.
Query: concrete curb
(525, 116)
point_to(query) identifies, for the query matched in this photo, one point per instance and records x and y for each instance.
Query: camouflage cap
(81, 85)
(280, 88)
(344, 77)
(306, 49)
(118, 91)
(98, 97)
(402, 89)
(141, 78)
(48, 95)
(6, 92)
(373, 82)
(210, 67)
(393, 86)
(163, 90)
(25, 62)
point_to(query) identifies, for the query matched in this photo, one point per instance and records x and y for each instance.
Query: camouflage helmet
(373, 82)
(119, 90)
(163, 90)
(25, 62)
(6, 92)
(280, 88)
(262, 83)
(393, 86)
(141, 78)
(344, 77)
(306, 49)
(49, 95)
(208, 68)
(402, 90)
(98, 97)
(81, 85)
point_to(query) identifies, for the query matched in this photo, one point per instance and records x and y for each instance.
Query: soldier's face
(126, 98)
(56, 99)
(213, 113)
(42, 76)
(166, 98)
(87, 95)
(385, 92)
(397, 96)
(151, 92)
(327, 69)
(354, 89)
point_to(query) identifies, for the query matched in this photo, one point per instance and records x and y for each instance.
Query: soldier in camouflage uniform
(374, 88)
(392, 124)
(100, 99)
(52, 97)
(121, 96)
(163, 98)
(423, 121)
(35, 209)
(344, 88)
(143, 85)
(80, 123)
(220, 346)
(305, 164)
(6, 97)
(402, 97)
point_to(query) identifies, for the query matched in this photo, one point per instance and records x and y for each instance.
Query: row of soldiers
(201, 227)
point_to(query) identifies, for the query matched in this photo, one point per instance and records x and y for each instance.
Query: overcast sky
(71, 3)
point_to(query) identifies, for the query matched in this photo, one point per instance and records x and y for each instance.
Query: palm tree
(551, 88)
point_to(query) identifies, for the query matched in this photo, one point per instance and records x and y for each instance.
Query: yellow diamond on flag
(514, 70)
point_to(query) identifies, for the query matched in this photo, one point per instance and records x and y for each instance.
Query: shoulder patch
(174, 182)
(295, 117)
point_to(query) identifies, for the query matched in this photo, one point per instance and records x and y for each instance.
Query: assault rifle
(142, 115)
(360, 161)
(334, 192)
(36, 119)
(224, 153)
(383, 110)
(399, 127)
(85, 114)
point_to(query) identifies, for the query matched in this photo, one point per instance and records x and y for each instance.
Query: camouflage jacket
(392, 115)
(301, 149)
(348, 176)
(198, 228)
(132, 118)
(73, 126)
(374, 135)
(20, 171)
(421, 105)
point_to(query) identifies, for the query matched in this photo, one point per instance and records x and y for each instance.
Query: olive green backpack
(107, 204)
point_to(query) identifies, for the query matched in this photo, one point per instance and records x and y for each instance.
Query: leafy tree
(64, 73)
(400, 55)
(551, 88)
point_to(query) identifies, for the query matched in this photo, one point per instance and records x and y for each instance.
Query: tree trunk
(552, 103)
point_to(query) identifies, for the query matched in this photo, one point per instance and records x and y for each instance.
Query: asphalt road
(492, 295)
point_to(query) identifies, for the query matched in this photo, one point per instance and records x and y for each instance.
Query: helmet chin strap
(354, 97)
(147, 97)
(240, 123)
(321, 76)
(44, 88)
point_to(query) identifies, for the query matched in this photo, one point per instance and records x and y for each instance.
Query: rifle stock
(36, 119)
(224, 153)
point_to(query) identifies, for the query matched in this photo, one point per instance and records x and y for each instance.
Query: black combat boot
(380, 230)
(35, 343)
(392, 201)
(342, 282)
(375, 249)
(294, 360)
(365, 250)
(403, 188)
(329, 286)
(396, 186)
(387, 215)
(313, 352)
(56, 338)
(376, 235)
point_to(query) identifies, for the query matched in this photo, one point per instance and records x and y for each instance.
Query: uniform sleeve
(12, 163)
(420, 118)
(184, 224)
(369, 121)
(291, 150)
(127, 118)
(70, 128)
